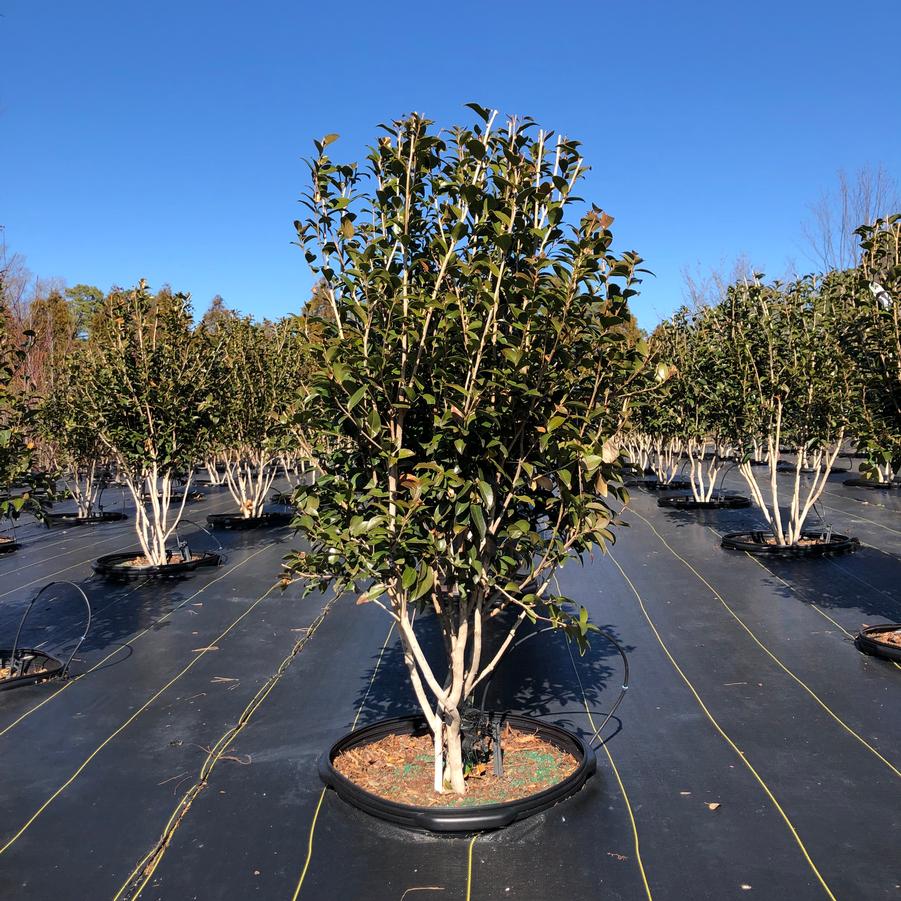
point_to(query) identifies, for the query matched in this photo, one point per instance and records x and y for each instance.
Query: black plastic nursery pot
(756, 543)
(73, 519)
(177, 498)
(656, 485)
(785, 466)
(35, 666)
(872, 483)
(116, 566)
(456, 819)
(868, 642)
(237, 522)
(717, 501)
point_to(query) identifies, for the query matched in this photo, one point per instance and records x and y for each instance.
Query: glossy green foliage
(147, 381)
(471, 374)
(873, 339)
(15, 411)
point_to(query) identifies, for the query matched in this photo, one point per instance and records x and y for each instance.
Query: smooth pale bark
(666, 459)
(156, 519)
(84, 488)
(803, 495)
(703, 473)
(442, 704)
(212, 468)
(638, 448)
(249, 478)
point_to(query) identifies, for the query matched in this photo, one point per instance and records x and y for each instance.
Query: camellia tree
(16, 447)
(259, 370)
(464, 394)
(794, 388)
(699, 396)
(653, 436)
(69, 441)
(147, 392)
(874, 341)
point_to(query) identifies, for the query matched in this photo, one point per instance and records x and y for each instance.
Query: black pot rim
(657, 485)
(718, 502)
(753, 543)
(867, 644)
(456, 819)
(73, 519)
(111, 565)
(894, 485)
(236, 521)
(53, 667)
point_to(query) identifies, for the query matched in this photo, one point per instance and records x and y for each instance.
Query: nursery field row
(755, 750)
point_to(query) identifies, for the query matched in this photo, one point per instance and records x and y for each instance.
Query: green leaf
(478, 519)
(426, 581)
(356, 397)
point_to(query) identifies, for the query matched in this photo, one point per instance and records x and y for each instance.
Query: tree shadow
(868, 581)
(536, 677)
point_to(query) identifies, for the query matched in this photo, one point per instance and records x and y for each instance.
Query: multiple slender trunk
(803, 495)
(212, 468)
(667, 459)
(157, 518)
(249, 478)
(84, 487)
(703, 470)
(462, 626)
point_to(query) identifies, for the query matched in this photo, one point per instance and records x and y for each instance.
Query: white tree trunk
(156, 519)
(249, 479)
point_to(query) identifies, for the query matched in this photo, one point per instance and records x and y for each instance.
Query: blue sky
(164, 140)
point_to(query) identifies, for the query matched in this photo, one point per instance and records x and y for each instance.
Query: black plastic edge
(52, 669)
(109, 565)
(753, 543)
(452, 819)
(867, 644)
(722, 502)
(237, 522)
(873, 485)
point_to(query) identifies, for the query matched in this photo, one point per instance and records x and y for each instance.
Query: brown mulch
(6, 672)
(890, 636)
(401, 768)
(143, 561)
(801, 542)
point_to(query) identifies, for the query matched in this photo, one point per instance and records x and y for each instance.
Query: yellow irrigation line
(123, 525)
(130, 642)
(861, 518)
(149, 863)
(131, 719)
(725, 736)
(790, 587)
(73, 550)
(772, 656)
(472, 841)
(622, 787)
(306, 865)
(47, 577)
(811, 603)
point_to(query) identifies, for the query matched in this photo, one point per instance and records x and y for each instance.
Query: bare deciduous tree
(858, 199)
